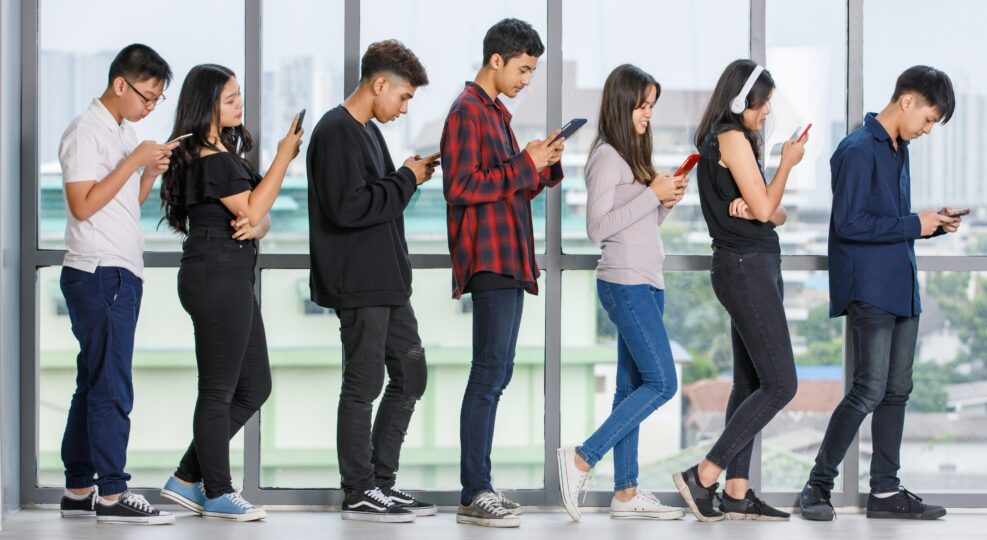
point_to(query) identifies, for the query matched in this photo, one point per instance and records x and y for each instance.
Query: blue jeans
(883, 349)
(103, 307)
(496, 320)
(645, 375)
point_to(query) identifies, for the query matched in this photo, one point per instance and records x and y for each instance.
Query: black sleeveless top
(717, 189)
(207, 180)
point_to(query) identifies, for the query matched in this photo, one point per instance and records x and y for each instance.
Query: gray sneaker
(486, 511)
(508, 504)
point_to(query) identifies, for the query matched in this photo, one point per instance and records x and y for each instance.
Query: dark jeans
(103, 307)
(374, 339)
(750, 288)
(645, 375)
(883, 349)
(216, 288)
(496, 321)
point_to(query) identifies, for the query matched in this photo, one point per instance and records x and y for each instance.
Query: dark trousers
(883, 349)
(216, 288)
(103, 307)
(376, 339)
(496, 320)
(750, 288)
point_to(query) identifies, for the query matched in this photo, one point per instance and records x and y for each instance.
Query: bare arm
(762, 200)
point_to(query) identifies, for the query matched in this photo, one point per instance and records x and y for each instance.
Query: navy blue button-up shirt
(872, 231)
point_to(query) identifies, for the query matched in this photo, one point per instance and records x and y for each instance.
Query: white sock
(884, 495)
(76, 497)
(107, 502)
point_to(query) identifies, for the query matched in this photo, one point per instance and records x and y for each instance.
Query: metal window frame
(553, 262)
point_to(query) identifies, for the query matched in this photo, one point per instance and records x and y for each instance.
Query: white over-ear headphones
(739, 103)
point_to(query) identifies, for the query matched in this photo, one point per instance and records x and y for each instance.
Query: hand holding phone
(569, 129)
(802, 136)
(301, 118)
(688, 164)
(434, 158)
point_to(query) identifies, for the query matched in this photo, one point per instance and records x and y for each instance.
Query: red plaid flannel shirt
(489, 184)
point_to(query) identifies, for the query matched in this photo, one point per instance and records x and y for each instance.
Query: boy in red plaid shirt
(489, 184)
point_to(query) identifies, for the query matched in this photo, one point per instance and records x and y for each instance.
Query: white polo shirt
(91, 148)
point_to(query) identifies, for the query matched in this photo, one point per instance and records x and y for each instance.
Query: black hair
(932, 84)
(511, 38)
(392, 56)
(138, 63)
(626, 89)
(197, 111)
(718, 113)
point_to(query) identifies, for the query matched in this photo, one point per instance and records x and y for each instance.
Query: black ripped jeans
(374, 339)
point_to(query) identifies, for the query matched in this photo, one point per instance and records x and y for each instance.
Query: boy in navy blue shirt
(874, 282)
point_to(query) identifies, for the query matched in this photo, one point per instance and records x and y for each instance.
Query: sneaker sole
(424, 512)
(515, 511)
(879, 514)
(78, 513)
(740, 516)
(119, 520)
(184, 502)
(818, 516)
(378, 518)
(655, 516)
(686, 493)
(570, 506)
(250, 516)
(488, 522)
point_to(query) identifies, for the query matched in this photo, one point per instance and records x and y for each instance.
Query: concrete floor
(38, 524)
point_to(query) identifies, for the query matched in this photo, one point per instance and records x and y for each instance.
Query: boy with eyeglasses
(107, 175)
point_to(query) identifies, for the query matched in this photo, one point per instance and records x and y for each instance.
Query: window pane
(946, 166)
(303, 69)
(306, 358)
(447, 36)
(164, 376)
(78, 40)
(808, 64)
(684, 61)
(944, 440)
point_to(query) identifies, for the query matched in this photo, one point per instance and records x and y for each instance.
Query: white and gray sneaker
(373, 505)
(643, 505)
(486, 511)
(571, 482)
(508, 504)
(130, 508)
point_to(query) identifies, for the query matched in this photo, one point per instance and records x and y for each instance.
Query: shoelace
(753, 503)
(137, 501)
(824, 496)
(503, 499)
(650, 497)
(402, 494)
(377, 495)
(239, 501)
(914, 501)
(488, 502)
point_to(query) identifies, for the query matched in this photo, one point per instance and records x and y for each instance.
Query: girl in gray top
(627, 202)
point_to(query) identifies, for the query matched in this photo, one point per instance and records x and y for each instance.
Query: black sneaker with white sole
(750, 508)
(697, 496)
(130, 508)
(373, 505)
(902, 505)
(404, 499)
(73, 506)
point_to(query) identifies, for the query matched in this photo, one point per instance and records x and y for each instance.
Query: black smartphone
(570, 129)
(301, 118)
(958, 213)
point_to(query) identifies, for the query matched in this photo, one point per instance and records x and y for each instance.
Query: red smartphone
(804, 133)
(687, 166)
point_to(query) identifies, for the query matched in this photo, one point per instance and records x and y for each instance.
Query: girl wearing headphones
(742, 211)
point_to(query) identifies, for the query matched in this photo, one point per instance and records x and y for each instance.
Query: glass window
(447, 36)
(72, 70)
(302, 63)
(680, 54)
(947, 165)
(306, 358)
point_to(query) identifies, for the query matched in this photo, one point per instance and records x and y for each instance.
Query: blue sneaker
(232, 506)
(191, 497)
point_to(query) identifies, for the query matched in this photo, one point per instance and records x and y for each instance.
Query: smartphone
(687, 165)
(958, 213)
(301, 118)
(802, 136)
(180, 137)
(570, 129)
(795, 134)
(432, 157)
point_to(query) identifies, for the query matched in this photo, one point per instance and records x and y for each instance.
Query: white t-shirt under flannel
(91, 148)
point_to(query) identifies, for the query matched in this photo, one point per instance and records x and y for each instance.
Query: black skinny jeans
(216, 288)
(750, 288)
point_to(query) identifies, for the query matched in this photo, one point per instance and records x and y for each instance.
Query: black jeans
(750, 288)
(216, 288)
(883, 349)
(374, 339)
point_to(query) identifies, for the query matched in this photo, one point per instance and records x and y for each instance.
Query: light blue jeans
(645, 375)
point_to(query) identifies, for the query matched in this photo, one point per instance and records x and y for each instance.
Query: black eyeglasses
(147, 100)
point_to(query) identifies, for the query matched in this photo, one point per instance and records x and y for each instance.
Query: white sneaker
(571, 482)
(643, 505)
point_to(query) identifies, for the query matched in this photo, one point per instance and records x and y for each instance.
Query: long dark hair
(718, 113)
(197, 111)
(625, 90)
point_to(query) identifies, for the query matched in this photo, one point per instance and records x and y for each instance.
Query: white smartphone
(795, 134)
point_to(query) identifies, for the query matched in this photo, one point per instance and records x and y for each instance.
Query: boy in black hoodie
(361, 268)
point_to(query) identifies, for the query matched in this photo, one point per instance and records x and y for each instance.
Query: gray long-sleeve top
(623, 217)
